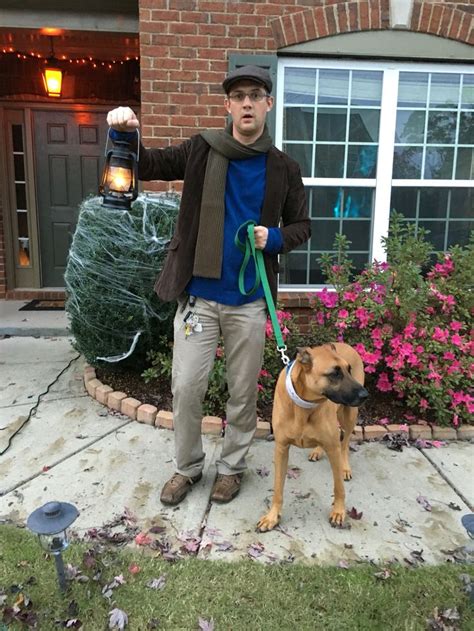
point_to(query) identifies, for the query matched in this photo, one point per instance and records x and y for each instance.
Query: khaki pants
(243, 331)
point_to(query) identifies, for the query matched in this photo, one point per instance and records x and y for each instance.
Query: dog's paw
(347, 473)
(316, 454)
(337, 517)
(267, 522)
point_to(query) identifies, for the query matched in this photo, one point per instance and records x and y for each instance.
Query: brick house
(375, 99)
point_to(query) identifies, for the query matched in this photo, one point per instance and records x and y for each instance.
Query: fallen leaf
(157, 530)
(262, 471)
(343, 564)
(133, 568)
(206, 625)
(142, 539)
(157, 583)
(293, 473)
(255, 550)
(354, 514)
(45, 468)
(383, 575)
(454, 506)
(118, 619)
(224, 546)
(423, 502)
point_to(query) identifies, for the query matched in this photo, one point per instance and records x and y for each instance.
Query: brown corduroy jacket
(284, 206)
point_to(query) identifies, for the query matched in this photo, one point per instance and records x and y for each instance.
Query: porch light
(119, 185)
(53, 75)
(50, 522)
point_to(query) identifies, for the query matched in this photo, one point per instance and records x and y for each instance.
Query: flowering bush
(411, 324)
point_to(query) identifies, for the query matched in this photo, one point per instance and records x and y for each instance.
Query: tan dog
(317, 397)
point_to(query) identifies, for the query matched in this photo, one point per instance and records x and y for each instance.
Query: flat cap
(251, 73)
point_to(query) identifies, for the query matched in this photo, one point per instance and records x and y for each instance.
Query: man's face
(248, 115)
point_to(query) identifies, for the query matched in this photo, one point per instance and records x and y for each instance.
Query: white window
(374, 137)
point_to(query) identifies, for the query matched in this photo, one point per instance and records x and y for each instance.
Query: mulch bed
(158, 393)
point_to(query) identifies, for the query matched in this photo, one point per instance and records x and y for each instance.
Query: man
(229, 177)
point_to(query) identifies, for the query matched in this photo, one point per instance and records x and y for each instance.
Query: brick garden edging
(150, 415)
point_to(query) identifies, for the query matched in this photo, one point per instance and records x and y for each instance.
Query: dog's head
(327, 373)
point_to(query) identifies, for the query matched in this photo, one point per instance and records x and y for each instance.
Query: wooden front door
(69, 156)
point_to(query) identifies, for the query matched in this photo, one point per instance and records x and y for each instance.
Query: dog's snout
(362, 394)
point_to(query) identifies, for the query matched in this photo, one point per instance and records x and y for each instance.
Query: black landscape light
(50, 522)
(119, 185)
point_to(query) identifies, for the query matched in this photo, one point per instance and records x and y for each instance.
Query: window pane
(22, 222)
(298, 123)
(466, 128)
(407, 162)
(433, 203)
(413, 89)
(442, 128)
(315, 274)
(361, 161)
(326, 201)
(366, 88)
(444, 90)
(404, 201)
(462, 203)
(293, 266)
(439, 163)
(323, 233)
(19, 166)
(437, 231)
(364, 125)
(20, 196)
(465, 164)
(333, 87)
(459, 231)
(358, 202)
(303, 155)
(467, 99)
(331, 124)
(300, 85)
(329, 161)
(410, 126)
(358, 233)
(17, 136)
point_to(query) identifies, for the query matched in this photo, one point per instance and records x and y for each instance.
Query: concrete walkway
(70, 448)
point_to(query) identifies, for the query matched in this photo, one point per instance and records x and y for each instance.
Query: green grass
(245, 596)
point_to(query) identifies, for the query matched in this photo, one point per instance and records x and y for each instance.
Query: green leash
(250, 252)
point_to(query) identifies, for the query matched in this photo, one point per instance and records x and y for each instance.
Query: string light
(91, 61)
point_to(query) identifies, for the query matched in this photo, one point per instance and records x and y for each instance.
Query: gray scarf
(210, 239)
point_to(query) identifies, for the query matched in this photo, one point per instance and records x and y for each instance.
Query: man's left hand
(261, 237)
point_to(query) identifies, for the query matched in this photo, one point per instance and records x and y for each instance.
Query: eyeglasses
(255, 96)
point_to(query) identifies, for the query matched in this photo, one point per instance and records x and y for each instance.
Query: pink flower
(455, 325)
(457, 340)
(319, 317)
(403, 427)
(455, 420)
(383, 421)
(328, 298)
(343, 313)
(383, 383)
(219, 352)
(440, 335)
(264, 373)
(260, 388)
(350, 296)
(449, 356)
(363, 316)
(424, 405)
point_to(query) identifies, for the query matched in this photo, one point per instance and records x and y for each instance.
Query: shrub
(410, 325)
(113, 262)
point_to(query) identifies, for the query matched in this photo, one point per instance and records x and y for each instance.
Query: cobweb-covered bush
(113, 262)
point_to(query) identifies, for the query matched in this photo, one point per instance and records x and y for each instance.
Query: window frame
(383, 181)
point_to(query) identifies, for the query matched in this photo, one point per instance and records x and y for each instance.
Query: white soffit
(397, 44)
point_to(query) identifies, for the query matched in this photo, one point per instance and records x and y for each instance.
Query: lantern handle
(107, 143)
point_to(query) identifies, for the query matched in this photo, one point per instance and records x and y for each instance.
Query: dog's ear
(304, 356)
(331, 346)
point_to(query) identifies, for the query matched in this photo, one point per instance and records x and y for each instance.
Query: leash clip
(284, 357)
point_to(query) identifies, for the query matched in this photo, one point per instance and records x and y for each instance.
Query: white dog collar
(307, 405)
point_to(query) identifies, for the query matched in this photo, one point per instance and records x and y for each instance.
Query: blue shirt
(244, 195)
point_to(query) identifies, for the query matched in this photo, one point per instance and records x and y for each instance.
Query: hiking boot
(177, 487)
(226, 487)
